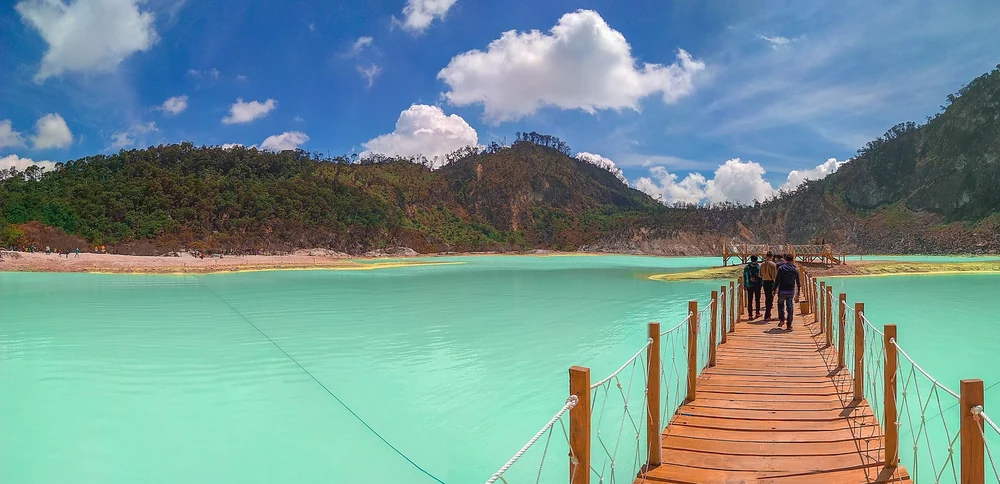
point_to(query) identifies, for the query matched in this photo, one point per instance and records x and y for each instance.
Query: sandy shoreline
(868, 268)
(130, 264)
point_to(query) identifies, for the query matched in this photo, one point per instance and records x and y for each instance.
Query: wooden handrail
(822, 306)
(692, 370)
(891, 430)
(859, 352)
(715, 328)
(829, 316)
(973, 458)
(653, 423)
(722, 315)
(732, 306)
(841, 324)
(579, 426)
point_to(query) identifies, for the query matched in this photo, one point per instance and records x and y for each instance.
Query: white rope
(872, 326)
(980, 416)
(570, 403)
(671, 330)
(924, 372)
(619, 370)
(986, 418)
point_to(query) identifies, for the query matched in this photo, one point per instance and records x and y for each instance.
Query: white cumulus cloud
(738, 181)
(244, 112)
(229, 146)
(418, 14)
(87, 35)
(733, 181)
(9, 137)
(174, 105)
(51, 131)
(427, 131)
(606, 163)
(582, 63)
(798, 177)
(289, 140)
(663, 186)
(21, 164)
(135, 134)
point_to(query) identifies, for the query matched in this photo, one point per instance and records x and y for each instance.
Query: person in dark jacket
(768, 271)
(752, 283)
(787, 282)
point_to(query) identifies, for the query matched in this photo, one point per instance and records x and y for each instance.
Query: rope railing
(703, 335)
(613, 422)
(673, 368)
(922, 404)
(546, 430)
(989, 432)
(920, 407)
(617, 410)
(606, 396)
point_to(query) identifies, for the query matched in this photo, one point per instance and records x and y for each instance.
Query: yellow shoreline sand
(155, 265)
(359, 267)
(874, 268)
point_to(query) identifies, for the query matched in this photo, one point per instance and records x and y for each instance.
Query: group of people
(777, 274)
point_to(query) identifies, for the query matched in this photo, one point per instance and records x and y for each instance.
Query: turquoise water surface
(121, 379)
(165, 379)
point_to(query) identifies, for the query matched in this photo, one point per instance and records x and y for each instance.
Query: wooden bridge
(730, 399)
(817, 253)
(776, 406)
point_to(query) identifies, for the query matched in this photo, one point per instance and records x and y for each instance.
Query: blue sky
(763, 88)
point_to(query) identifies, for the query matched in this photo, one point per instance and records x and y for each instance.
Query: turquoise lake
(166, 379)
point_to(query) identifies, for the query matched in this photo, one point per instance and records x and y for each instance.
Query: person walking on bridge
(789, 286)
(752, 282)
(768, 271)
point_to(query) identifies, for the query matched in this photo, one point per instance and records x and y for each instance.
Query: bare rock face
(392, 252)
(321, 252)
(677, 244)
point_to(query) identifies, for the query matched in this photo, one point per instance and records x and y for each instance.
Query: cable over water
(313, 377)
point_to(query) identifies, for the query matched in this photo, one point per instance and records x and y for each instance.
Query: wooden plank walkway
(774, 409)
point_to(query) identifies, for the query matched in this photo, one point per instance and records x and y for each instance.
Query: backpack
(752, 274)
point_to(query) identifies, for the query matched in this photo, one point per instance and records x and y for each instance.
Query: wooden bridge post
(741, 300)
(811, 290)
(841, 323)
(692, 350)
(579, 426)
(732, 306)
(712, 338)
(821, 317)
(973, 462)
(722, 312)
(859, 352)
(829, 316)
(653, 458)
(889, 399)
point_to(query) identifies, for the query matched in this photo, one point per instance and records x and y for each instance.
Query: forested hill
(928, 188)
(919, 189)
(207, 198)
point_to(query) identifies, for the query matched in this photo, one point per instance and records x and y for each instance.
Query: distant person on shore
(788, 284)
(768, 271)
(752, 282)
(77, 252)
